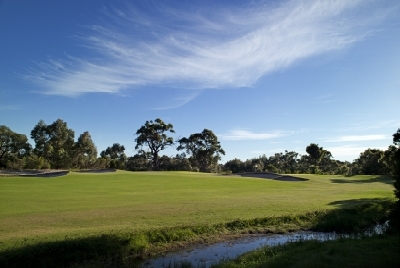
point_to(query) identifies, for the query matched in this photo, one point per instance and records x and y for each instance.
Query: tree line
(56, 148)
(319, 161)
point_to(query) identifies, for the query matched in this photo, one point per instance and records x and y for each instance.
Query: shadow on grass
(350, 203)
(379, 178)
(354, 215)
(104, 250)
(102, 170)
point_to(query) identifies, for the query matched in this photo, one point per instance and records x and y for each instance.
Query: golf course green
(85, 204)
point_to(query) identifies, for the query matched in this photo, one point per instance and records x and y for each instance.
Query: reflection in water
(207, 255)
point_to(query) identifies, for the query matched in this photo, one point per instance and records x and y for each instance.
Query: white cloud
(240, 134)
(357, 138)
(213, 48)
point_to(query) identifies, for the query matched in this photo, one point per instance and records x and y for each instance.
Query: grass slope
(85, 204)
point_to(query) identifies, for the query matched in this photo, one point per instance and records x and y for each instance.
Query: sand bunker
(34, 173)
(271, 176)
(103, 170)
(47, 174)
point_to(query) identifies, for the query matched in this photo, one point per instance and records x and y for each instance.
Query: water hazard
(207, 255)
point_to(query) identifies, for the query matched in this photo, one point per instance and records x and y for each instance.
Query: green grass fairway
(82, 203)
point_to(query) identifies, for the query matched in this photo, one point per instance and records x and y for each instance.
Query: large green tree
(152, 136)
(396, 141)
(85, 152)
(116, 151)
(318, 155)
(54, 143)
(289, 161)
(138, 162)
(205, 149)
(117, 155)
(12, 145)
(395, 221)
(284, 162)
(234, 165)
(370, 162)
(389, 160)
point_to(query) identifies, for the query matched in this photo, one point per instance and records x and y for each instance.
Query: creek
(207, 255)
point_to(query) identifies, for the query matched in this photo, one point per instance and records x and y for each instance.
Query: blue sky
(265, 76)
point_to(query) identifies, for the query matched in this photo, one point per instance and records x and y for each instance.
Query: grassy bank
(126, 249)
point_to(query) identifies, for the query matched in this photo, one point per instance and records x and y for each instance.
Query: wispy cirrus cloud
(371, 124)
(326, 99)
(243, 134)
(179, 101)
(357, 138)
(8, 107)
(200, 48)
